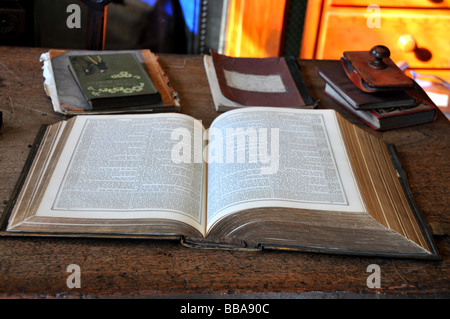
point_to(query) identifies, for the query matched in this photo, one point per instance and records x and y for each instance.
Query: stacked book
(383, 110)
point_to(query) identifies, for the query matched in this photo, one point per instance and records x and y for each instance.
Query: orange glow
(254, 28)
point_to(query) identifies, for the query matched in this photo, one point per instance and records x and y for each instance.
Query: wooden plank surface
(37, 267)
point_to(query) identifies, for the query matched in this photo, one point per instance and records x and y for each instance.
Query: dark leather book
(360, 100)
(388, 118)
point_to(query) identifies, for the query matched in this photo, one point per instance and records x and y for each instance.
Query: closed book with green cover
(113, 81)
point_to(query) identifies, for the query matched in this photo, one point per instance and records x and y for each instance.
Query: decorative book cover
(113, 80)
(67, 97)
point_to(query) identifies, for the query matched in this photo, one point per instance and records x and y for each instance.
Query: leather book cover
(389, 77)
(257, 81)
(336, 77)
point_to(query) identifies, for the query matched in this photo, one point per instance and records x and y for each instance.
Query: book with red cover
(237, 82)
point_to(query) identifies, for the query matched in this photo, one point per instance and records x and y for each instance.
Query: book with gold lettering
(111, 81)
(258, 178)
(101, 82)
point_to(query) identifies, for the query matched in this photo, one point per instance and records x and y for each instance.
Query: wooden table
(37, 267)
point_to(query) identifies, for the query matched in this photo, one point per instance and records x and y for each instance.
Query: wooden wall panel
(255, 28)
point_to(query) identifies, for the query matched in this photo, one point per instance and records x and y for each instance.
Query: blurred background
(416, 31)
(240, 27)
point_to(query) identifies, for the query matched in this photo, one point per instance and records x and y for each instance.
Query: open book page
(37, 175)
(122, 168)
(268, 157)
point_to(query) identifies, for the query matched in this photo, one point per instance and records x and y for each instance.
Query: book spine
(294, 70)
(23, 175)
(392, 150)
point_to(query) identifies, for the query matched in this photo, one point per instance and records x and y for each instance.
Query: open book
(257, 178)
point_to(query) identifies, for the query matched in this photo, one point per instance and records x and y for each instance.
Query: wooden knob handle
(406, 43)
(379, 52)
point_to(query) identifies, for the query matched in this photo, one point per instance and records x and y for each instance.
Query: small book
(245, 82)
(335, 77)
(258, 178)
(71, 96)
(388, 118)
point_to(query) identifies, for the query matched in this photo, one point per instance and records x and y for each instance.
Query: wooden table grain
(37, 267)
